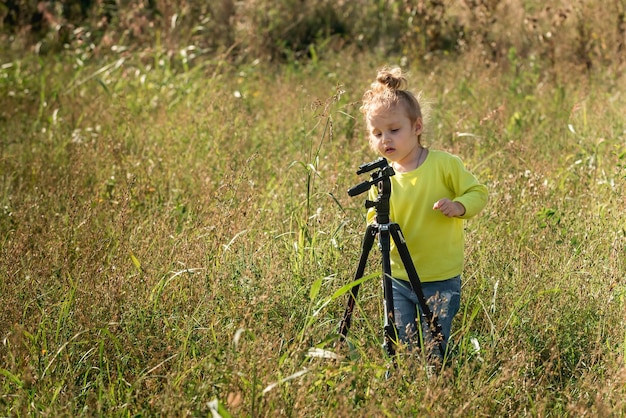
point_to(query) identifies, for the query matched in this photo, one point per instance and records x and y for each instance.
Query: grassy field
(177, 237)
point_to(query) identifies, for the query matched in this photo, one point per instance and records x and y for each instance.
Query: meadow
(177, 236)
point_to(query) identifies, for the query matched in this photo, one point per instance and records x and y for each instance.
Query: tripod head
(382, 179)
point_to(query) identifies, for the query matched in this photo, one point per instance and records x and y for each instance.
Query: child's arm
(449, 208)
(470, 195)
(473, 198)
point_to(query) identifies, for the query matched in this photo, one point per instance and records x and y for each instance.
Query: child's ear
(418, 126)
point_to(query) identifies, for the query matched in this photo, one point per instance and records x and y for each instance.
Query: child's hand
(449, 208)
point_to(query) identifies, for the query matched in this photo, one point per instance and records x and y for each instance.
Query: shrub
(579, 32)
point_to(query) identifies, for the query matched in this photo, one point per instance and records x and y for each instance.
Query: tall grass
(175, 239)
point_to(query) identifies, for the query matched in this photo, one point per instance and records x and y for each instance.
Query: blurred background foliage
(580, 32)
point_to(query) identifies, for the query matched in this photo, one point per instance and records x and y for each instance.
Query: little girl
(431, 193)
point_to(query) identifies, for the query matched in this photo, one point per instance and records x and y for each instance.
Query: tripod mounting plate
(384, 171)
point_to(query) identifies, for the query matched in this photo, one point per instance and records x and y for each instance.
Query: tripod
(386, 230)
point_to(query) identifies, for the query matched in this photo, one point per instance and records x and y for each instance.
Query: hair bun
(391, 78)
(388, 90)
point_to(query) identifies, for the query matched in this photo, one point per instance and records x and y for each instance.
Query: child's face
(394, 137)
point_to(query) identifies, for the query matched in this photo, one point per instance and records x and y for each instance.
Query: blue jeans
(444, 300)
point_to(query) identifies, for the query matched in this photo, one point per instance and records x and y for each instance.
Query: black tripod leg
(433, 324)
(391, 332)
(368, 242)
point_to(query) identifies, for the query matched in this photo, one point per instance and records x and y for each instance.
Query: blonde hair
(388, 91)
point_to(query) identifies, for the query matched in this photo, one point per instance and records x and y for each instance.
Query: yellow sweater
(436, 242)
